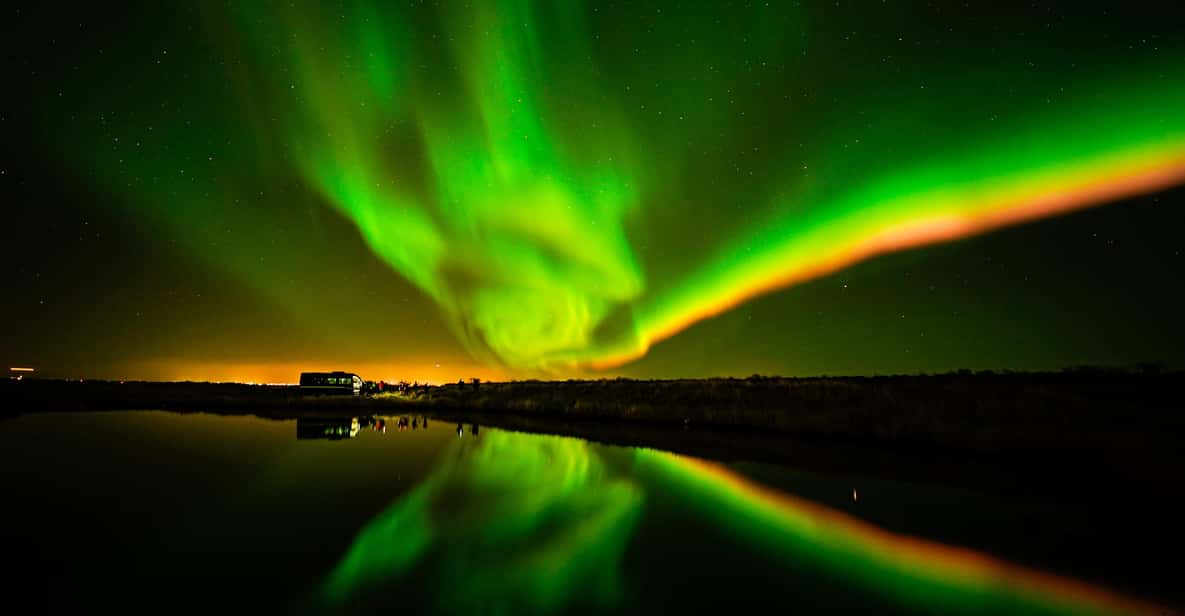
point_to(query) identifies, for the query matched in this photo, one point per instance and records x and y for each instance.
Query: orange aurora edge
(1094, 183)
(961, 564)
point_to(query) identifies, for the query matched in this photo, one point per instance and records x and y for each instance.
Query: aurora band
(518, 226)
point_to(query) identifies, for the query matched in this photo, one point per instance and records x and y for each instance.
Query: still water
(129, 509)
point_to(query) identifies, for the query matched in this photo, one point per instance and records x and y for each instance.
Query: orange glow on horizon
(288, 372)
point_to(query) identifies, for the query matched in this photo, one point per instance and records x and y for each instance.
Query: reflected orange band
(962, 565)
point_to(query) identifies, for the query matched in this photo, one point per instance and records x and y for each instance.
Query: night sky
(512, 189)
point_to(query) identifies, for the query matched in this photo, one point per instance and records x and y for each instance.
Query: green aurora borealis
(512, 188)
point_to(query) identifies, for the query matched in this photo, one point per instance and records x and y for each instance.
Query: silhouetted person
(473, 429)
(415, 423)
(460, 430)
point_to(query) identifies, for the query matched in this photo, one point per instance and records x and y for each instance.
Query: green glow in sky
(513, 224)
(562, 185)
(492, 165)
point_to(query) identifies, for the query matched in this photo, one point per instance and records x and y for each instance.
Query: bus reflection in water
(329, 428)
(337, 428)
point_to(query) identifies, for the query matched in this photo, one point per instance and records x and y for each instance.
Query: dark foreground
(333, 512)
(1065, 488)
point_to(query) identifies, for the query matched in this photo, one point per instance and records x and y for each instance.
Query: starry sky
(515, 189)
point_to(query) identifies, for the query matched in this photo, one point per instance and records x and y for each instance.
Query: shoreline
(1110, 425)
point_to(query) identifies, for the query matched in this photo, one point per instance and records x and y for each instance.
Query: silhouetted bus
(345, 383)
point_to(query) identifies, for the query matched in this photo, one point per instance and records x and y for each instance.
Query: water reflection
(513, 521)
(519, 523)
(505, 522)
(337, 428)
(328, 428)
(919, 574)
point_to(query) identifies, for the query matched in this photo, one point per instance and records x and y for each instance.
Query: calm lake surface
(128, 509)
